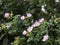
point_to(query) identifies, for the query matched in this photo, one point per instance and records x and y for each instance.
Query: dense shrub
(29, 22)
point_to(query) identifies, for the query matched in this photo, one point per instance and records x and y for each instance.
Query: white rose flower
(22, 17)
(56, 0)
(45, 37)
(29, 15)
(24, 32)
(40, 20)
(29, 29)
(37, 23)
(6, 15)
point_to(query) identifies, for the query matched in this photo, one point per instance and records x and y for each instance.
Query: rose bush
(29, 22)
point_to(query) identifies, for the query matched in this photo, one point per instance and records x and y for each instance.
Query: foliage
(12, 27)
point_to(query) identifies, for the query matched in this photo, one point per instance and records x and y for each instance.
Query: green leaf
(5, 42)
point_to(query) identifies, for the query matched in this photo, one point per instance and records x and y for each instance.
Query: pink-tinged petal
(29, 29)
(24, 32)
(37, 23)
(29, 15)
(6, 15)
(22, 17)
(45, 37)
(56, 0)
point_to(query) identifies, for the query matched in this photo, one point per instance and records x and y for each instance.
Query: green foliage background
(17, 8)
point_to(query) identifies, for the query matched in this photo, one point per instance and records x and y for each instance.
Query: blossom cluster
(35, 24)
(30, 28)
(28, 15)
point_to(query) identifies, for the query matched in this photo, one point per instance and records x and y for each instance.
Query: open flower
(41, 20)
(37, 23)
(33, 25)
(56, 0)
(24, 32)
(22, 17)
(45, 37)
(6, 15)
(29, 15)
(29, 29)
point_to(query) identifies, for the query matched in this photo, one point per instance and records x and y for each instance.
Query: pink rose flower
(6, 15)
(29, 15)
(37, 23)
(45, 37)
(29, 29)
(41, 20)
(24, 32)
(22, 17)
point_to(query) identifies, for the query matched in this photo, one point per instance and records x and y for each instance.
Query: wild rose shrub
(29, 22)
